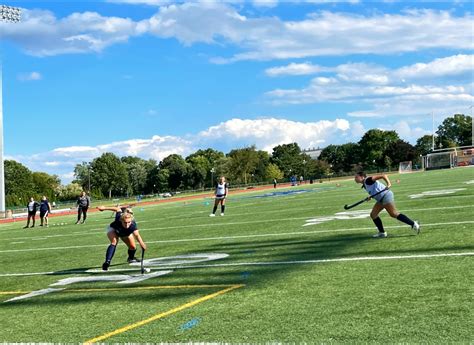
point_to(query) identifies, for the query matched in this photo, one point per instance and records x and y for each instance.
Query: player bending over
(123, 227)
(384, 200)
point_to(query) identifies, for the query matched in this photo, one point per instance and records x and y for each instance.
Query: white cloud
(264, 133)
(407, 91)
(41, 33)
(294, 69)
(406, 131)
(29, 76)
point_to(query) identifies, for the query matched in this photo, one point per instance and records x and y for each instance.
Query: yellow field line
(161, 315)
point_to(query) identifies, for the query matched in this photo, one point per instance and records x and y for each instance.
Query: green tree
(214, 159)
(243, 163)
(399, 151)
(19, 185)
(373, 145)
(455, 131)
(82, 175)
(272, 171)
(177, 168)
(288, 158)
(137, 173)
(198, 168)
(45, 184)
(108, 172)
(162, 178)
(68, 192)
(424, 145)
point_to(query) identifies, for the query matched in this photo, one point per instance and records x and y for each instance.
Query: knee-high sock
(402, 218)
(110, 253)
(214, 209)
(131, 253)
(378, 223)
(222, 208)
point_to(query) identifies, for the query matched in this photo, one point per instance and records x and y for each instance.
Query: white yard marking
(360, 214)
(469, 182)
(268, 263)
(436, 192)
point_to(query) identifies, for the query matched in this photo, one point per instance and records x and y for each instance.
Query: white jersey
(221, 189)
(373, 187)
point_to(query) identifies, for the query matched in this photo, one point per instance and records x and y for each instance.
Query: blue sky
(149, 78)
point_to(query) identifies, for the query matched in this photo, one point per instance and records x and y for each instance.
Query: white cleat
(380, 235)
(222, 214)
(416, 227)
(212, 215)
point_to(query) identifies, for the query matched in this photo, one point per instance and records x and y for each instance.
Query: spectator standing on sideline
(274, 183)
(45, 210)
(32, 207)
(83, 203)
(222, 189)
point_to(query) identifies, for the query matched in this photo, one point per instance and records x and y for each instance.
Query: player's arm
(137, 236)
(226, 190)
(383, 177)
(109, 208)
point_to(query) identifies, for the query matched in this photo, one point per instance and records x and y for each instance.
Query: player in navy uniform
(32, 207)
(45, 210)
(123, 227)
(222, 189)
(384, 200)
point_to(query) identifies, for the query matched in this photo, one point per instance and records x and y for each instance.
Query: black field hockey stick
(347, 207)
(142, 269)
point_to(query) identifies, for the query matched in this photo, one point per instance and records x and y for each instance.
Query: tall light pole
(12, 15)
(432, 132)
(472, 128)
(212, 176)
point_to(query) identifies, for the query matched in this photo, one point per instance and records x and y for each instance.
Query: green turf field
(297, 270)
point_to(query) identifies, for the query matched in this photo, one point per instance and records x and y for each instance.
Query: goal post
(405, 167)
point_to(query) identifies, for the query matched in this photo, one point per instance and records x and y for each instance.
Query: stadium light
(11, 15)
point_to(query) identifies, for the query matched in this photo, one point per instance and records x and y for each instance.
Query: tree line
(109, 176)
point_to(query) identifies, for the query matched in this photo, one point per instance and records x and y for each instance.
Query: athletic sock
(131, 253)
(110, 253)
(402, 218)
(214, 209)
(378, 223)
(222, 208)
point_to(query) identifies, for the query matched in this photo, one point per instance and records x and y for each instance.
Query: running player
(384, 200)
(222, 189)
(123, 227)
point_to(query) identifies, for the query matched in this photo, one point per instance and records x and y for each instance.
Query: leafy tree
(162, 179)
(243, 163)
(82, 175)
(455, 131)
(198, 167)
(137, 170)
(260, 172)
(272, 171)
(177, 168)
(108, 172)
(45, 184)
(341, 157)
(318, 168)
(288, 158)
(399, 151)
(214, 159)
(19, 185)
(69, 192)
(424, 145)
(373, 145)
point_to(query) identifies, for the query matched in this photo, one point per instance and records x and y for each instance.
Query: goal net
(405, 167)
(440, 160)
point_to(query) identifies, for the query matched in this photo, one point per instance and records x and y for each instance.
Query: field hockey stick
(347, 207)
(141, 263)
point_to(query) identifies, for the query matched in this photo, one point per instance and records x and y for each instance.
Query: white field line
(102, 231)
(269, 263)
(240, 236)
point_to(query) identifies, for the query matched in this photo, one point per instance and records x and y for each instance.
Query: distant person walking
(274, 183)
(45, 210)
(222, 189)
(384, 200)
(83, 203)
(32, 207)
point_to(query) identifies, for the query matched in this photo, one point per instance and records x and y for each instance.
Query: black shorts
(44, 213)
(31, 213)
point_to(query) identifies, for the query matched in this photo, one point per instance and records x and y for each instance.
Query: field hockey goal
(455, 157)
(405, 167)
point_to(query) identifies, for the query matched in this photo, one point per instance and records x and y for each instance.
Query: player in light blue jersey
(222, 189)
(384, 200)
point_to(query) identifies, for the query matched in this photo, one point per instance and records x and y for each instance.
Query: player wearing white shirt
(222, 189)
(384, 200)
